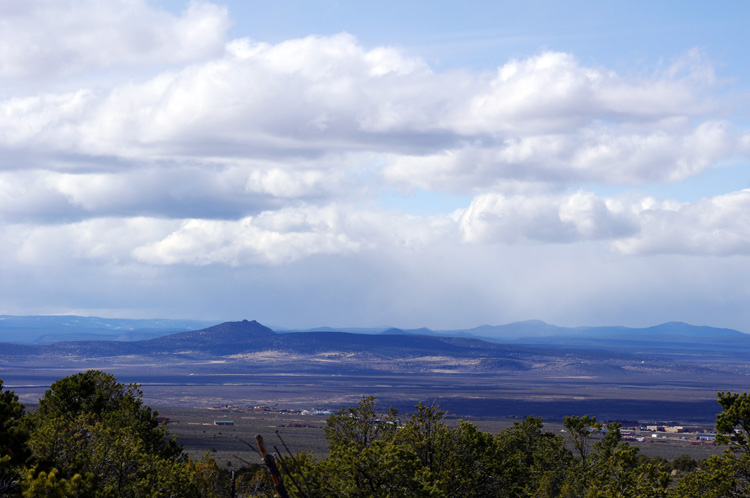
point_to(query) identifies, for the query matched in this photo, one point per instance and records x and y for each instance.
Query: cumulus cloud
(290, 234)
(546, 118)
(606, 155)
(552, 92)
(104, 240)
(172, 190)
(716, 226)
(271, 237)
(49, 38)
(497, 218)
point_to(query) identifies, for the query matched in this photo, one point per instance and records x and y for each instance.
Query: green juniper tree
(13, 438)
(726, 475)
(95, 432)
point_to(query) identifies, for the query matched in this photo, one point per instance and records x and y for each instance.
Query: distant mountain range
(63, 328)
(666, 336)
(539, 331)
(509, 346)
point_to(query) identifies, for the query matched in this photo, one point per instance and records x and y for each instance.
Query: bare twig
(294, 481)
(278, 435)
(294, 461)
(241, 460)
(249, 445)
(270, 462)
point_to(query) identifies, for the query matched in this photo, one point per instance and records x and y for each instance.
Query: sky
(373, 164)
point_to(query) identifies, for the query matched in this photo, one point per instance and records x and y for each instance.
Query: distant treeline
(93, 437)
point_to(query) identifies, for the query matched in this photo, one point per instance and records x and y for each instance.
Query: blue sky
(480, 34)
(376, 163)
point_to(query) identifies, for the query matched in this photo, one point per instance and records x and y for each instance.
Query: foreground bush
(375, 454)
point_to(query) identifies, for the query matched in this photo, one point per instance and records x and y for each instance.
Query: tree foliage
(96, 432)
(13, 434)
(13, 441)
(48, 485)
(424, 456)
(580, 430)
(94, 397)
(733, 423)
(726, 475)
(359, 426)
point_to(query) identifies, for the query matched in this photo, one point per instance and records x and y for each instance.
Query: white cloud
(496, 218)
(553, 92)
(47, 118)
(103, 240)
(49, 38)
(717, 226)
(544, 119)
(658, 157)
(714, 226)
(280, 183)
(176, 191)
(269, 238)
(505, 258)
(308, 94)
(606, 155)
(291, 234)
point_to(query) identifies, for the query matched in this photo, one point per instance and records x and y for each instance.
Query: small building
(223, 422)
(706, 437)
(675, 429)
